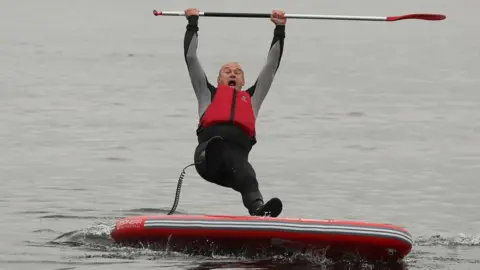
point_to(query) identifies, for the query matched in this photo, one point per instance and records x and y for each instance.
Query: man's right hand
(191, 11)
(278, 17)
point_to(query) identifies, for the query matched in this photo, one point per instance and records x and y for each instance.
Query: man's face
(231, 74)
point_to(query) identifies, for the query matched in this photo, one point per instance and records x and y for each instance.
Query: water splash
(459, 240)
(97, 235)
(465, 240)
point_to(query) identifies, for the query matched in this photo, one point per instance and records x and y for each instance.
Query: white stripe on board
(252, 223)
(278, 224)
(283, 227)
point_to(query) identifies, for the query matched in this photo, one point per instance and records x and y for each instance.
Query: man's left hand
(278, 17)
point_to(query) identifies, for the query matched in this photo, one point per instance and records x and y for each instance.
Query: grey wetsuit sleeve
(262, 85)
(204, 91)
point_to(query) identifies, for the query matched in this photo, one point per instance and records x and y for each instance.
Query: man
(226, 130)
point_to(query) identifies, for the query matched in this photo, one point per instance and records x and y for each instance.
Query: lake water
(367, 121)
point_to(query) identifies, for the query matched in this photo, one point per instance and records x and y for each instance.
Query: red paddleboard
(338, 239)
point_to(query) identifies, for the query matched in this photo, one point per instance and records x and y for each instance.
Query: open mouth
(232, 83)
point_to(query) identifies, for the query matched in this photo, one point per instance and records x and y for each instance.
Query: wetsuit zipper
(232, 111)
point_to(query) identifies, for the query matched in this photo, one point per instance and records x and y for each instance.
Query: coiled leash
(179, 187)
(180, 179)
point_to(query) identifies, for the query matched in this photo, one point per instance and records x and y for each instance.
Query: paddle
(416, 16)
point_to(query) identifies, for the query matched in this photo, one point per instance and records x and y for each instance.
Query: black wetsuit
(222, 153)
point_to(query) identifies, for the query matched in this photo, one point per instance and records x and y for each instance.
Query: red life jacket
(230, 106)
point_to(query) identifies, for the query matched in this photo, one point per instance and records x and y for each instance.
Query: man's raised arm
(199, 81)
(259, 90)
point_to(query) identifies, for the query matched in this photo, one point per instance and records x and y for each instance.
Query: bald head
(231, 74)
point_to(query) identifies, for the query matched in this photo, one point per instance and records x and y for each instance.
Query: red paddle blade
(421, 16)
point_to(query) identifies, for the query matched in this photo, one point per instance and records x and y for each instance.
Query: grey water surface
(366, 121)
